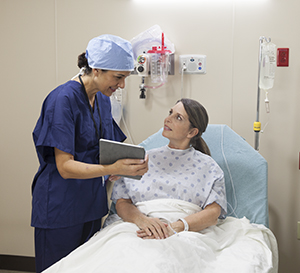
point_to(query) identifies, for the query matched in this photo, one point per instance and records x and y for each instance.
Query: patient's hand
(155, 229)
(150, 228)
(142, 234)
(113, 178)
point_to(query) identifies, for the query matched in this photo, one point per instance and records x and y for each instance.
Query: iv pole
(257, 124)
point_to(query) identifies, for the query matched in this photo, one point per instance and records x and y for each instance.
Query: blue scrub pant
(53, 244)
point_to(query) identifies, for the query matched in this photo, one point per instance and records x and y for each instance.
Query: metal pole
(257, 125)
(257, 130)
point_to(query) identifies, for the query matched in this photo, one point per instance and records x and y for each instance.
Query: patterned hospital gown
(187, 175)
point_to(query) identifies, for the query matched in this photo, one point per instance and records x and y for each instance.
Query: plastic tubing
(154, 87)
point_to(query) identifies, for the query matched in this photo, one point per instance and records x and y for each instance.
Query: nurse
(69, 193)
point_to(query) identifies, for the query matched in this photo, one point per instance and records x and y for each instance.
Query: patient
(181, 170)
(183, 182)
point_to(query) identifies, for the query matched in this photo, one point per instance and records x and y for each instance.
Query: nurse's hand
(69, 168)
(131, 167)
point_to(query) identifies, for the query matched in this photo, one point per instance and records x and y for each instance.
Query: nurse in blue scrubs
(69, 193)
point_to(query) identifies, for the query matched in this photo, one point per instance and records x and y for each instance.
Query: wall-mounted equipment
(194, 64)
(142, 67)
(283, 56)
(154, 55)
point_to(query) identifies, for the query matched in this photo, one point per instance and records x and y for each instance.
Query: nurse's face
(177, 128)
(108, 81)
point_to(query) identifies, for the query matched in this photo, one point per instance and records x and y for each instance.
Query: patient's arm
(200, 220)
(152, 227)
(197, 222)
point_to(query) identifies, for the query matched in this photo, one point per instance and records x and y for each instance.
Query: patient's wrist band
(186, 225)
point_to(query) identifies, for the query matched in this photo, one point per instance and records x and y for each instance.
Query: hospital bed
(240, 243)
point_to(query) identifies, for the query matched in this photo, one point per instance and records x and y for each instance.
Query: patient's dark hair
(198, 118)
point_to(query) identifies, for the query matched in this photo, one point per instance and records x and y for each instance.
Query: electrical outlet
(194, 64)
(298, 231)
(282, 57)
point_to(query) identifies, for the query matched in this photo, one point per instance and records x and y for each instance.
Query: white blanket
(233, 245)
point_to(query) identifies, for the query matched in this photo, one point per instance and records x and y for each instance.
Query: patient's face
(177, 127)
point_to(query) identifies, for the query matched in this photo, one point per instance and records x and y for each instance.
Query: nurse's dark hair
(198, 118)
(83, 62)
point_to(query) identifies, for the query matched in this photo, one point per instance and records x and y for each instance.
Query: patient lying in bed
(176, 205)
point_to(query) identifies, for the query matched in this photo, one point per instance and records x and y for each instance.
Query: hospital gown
(187, 175)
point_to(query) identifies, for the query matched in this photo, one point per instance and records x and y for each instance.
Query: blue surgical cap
(110, 52)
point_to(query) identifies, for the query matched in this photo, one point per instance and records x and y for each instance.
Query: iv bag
(116, 105)
(267, 65)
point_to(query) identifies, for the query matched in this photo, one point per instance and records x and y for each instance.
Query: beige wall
(40, 42)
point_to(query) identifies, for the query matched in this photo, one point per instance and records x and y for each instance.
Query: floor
(9, 271)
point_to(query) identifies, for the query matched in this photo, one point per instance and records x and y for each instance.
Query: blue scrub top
(66, 123)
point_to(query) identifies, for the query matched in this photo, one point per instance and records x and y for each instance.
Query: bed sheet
(233, 245)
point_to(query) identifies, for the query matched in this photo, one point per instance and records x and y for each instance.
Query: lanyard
(91, 111)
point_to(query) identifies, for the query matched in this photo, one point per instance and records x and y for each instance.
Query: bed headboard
(245, 170)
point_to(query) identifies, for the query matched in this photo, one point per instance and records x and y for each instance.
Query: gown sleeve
(218, 195)
(119, 190)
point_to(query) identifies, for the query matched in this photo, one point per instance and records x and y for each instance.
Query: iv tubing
(129, 135)
(123, 119)
(182, 70)
(154, 87)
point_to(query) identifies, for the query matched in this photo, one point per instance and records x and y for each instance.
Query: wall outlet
(298, 231)
(194, 64)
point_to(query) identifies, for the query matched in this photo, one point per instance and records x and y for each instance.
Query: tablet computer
(110, 151)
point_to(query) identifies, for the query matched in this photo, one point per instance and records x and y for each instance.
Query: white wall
(40, 42)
